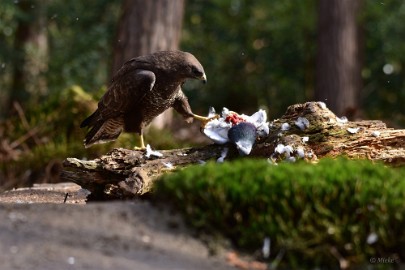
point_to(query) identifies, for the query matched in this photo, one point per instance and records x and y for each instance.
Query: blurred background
(57, 57)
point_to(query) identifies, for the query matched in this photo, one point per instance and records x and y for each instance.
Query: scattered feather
(376, 133)
(71, 260)
(168, 165)
(300, 152)
(285, 127)
(288, 149)
(322, 105)
(302, 123)
(284, 149)
(259, 119)
(211, 112)
(305, 139)
(353, 130)
(150, 152)
(372, 238)
(342, 120)
(266, 247)
(290, 159)
(280, 148)
(225, 112)
(224, 153)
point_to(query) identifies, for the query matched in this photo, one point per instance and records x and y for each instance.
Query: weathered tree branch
(124, 173)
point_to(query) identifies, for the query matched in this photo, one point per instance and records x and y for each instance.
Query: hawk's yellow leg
(204, 120)
(141, 143)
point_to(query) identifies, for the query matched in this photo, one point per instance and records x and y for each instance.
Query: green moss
(307, 210)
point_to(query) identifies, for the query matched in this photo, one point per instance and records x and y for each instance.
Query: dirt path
(38, 231)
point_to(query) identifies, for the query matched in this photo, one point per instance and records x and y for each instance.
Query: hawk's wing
(126, 91)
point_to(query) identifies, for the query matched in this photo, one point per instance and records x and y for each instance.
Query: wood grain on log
(124, 173)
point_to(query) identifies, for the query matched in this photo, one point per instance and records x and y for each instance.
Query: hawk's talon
(204, 120)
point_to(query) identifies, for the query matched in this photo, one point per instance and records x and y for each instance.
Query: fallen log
(306, 131)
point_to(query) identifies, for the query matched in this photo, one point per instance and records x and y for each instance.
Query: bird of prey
(143, 88)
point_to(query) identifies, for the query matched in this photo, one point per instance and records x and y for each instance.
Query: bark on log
(124, 173)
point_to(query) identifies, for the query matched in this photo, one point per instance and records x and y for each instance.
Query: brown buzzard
(143, 88)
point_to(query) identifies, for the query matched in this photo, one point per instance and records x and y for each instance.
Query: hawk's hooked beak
(204, 78)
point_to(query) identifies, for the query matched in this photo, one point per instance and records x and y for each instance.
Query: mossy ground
(313, 213)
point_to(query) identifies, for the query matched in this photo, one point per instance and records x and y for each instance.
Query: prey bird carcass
(239, 129)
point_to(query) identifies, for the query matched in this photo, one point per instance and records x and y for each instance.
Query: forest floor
(39, 231)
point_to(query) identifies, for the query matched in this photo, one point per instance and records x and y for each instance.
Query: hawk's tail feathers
(103, 132)
(90, 121)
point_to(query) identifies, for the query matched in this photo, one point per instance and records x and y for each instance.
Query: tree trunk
(18, 91)
(31, 47)
(338, 70)
(146, 27)
(124, 173)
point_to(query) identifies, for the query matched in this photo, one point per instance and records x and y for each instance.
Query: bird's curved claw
(204, 120)
(217, 116)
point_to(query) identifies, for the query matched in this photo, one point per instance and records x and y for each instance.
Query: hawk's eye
(196, 71)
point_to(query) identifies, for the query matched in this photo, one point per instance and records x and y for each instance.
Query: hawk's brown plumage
(142, 89)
